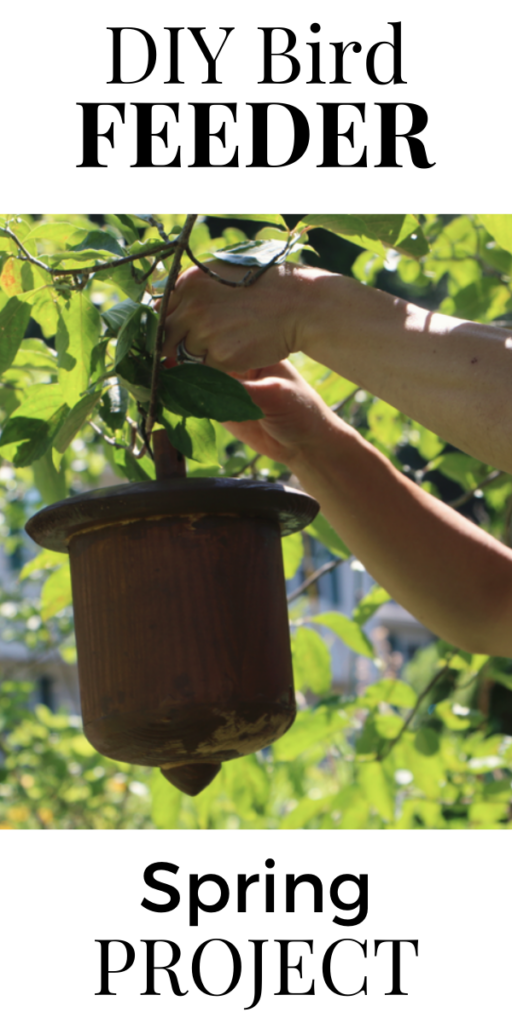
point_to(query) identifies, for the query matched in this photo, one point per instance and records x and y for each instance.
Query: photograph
(255, 521)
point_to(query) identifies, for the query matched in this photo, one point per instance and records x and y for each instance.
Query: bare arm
(453, 376)
(446, 571)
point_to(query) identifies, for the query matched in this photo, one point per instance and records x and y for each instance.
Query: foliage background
(430, 750)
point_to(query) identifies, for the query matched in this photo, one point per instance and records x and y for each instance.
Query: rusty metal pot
(181, 618)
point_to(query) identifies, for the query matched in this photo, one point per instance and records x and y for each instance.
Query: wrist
(327, 442)
(325, 305)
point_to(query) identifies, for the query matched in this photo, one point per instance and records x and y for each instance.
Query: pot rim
(54, 526)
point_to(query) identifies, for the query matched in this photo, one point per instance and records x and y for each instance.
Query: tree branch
(494, 475)
(339, 407)
(181, 246)
(163, 249)
(248, 465)
(439, 675)
(327, 567)
(248, 279)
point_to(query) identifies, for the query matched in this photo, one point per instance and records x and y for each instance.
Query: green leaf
(324, 532)
(202, 391)
(462, 468)
(426, 741)
(259, 252)
(499, 225)
(36, 421)
(293, 553)
(369, 604)
(389, 691)
(194, 438)
(45, 560)
(430, 444)
(114, 406)
(385, 423)
(375, 787)
(126, 279)
(33, 354)
(140, 327)
(388, 725)
(136, 470)
(374, 232)
(8, 401)
(127, 226)
(311, 661)
(102, 240)
(14, 318)
(310, 727)
(56, 593)
(117, 315)
(50, 481)
(77, 333)
(267, 218)
(347, 630)
(483, 300)
(129, 332)
(61, 233)
(75, 419)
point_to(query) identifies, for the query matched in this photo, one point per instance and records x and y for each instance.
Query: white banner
(256, 923)
(369, 108)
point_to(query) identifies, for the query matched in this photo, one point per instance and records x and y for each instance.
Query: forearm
(450, 574)
(453, 376)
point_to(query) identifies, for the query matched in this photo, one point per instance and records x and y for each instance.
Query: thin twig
(439, 675)
(151, 269)
(160, 228)
(248, 465)
(494, 475)
(339, 407)
(327, 567)
(131, 448)
(21, 247)
(248, 279)
(109, 440)
(181, 246)
(164, 249)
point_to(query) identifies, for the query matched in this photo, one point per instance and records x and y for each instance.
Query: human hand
(296, 420)
(237, 329)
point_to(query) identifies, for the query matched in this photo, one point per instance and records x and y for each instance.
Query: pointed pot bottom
(191, 778)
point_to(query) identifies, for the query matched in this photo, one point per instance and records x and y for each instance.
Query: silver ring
(184, 356)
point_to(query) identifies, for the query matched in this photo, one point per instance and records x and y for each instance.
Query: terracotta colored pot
(181, 618)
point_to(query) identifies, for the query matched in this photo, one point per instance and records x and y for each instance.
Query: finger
(177, 330)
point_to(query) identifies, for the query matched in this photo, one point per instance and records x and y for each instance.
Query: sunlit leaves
(310, 728)
(114, 406)
(14, 318)
(324, 532)
(194, 438)
(35, 423)
(389, 691)
(369, 604)
(45, 560)
(293, 553)
(499, 225)
(77, 333)
(56, 593)
(348, 631)
(375, 231)
(311, 661)
(376, 789)
(202, 391)
(385, 423)
(75, 419)
(259, 252)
